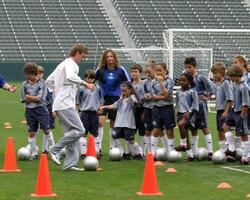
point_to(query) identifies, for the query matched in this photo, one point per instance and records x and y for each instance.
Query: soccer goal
(208, 46)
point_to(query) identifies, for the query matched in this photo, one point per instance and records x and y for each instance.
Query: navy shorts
(163, 117)
(139, 120)
(108, 100)
(201, 120)
(219, 120)
(36, 117)
(148, 124)
(51, 119)
(123, 132)
(90, 122)
(234, 119)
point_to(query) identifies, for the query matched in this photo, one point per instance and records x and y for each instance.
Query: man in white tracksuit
(63, 82)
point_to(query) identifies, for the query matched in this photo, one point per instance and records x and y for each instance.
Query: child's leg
(83, 146)
(245, 146)
(195, 140)
(208, 140)
(222, 141)
(32, 143)
(155, 138)
(135, 147)
(148, 141)
(171, 139)
(164, 140)
(48, 140)
(229, 138)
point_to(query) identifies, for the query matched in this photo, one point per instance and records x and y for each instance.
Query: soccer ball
(201, 154)
(239, 152)
(160, 154)
(219, 157)
(62, 153)
(28, 147)
(90, 163)
(173, 156)
(115, 154)
(24, 153)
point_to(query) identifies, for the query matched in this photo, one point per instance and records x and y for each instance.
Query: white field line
(238, 170)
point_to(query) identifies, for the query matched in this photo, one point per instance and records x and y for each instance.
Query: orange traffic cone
(91, 146)
(43, 185)
(10, 157)
(224, 185)
(149, 185)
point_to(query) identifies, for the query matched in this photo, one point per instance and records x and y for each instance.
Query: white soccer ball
(90, 163)
(62, 153)
(23, 153)
(201, 154)
(160, 154)
(239, 152)
(174, 156)
(219, 157)
(28, 147)
(115, 154)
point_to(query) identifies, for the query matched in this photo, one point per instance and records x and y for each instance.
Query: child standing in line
(88, 102)
(148, 103)
(33, 94)
(48, 140)
(238, 115)
(163, 114)
(124, 126)
(204, 88)
(138, 86)
(224, 102)
(187, 106)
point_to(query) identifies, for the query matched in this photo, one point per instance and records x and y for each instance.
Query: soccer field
(119, 180)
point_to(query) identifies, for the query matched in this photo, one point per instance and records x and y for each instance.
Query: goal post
(223, 43)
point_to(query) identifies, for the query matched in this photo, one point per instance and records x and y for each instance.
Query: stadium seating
(43, 30)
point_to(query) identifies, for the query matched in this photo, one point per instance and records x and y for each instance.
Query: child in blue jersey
(204, 88)
(124, 126)
(88, 102)
(224, 101)
(110, 76)
(238, 115)
(241, 61)
(163, 114)
(138, 86)
(187, 106)
(33, 94)
(48, 140)
(148, 102)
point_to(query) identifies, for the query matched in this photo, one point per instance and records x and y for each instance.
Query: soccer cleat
(243, 162)
(181, 148)
(210, 155)
(138, 157)
(45, 152)
(190, 158)
(74, 169)
(100, 153)
(54, 157)
(83, 156)
(126, 156)
(230, 155)
(34, 157)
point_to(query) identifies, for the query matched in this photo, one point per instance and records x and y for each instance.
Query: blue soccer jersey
(186, 101)
(241, 96)
(223, 94)
(111, 80)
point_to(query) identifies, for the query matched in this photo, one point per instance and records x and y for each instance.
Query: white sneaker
(74, 169)
(55, 158)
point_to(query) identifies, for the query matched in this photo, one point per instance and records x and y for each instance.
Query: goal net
(212, 45)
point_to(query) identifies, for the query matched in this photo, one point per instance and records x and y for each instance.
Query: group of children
(147, 107)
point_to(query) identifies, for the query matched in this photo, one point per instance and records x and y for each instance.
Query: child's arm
(227, 109)
(108, 107)
(29, 98)
(134, 99)
(244, 111)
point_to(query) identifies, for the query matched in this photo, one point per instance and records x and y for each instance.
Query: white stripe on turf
(238, 170)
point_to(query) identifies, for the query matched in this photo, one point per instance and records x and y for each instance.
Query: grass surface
(119, 180)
